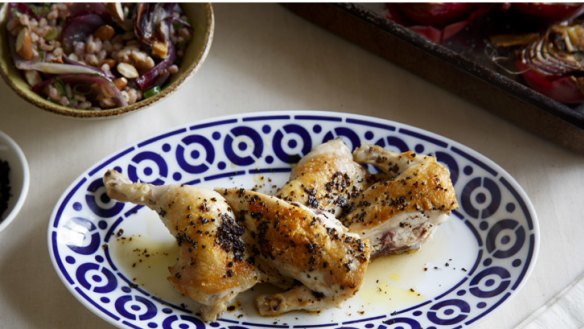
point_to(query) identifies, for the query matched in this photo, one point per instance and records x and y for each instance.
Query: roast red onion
(86, 8)
(151, 21)
(143, 23)
(97, 71)
(98, 86)
(435, 14)
(436, 22)
(22, 8)
(58, 68)
(564, 89)
(150, 78)
(79, 28)
(549, 12)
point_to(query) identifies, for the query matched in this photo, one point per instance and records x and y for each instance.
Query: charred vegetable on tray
(97, 55)
(436, 22)
(547, 55)
(551, 60)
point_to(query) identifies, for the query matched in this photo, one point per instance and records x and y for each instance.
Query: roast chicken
(314, 239)
(212, 266)
(396, 208)
(413, 194)
(326, 178)
(231, 240)
(310, 246)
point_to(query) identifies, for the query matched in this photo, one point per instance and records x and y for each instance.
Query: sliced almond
(127, 70)
(160, 49)
(104, 32)
(142, 61)
(24, 44)
(121, 83)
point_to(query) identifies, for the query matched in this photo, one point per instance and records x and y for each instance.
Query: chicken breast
(400, 211)
(310, 246)
(326, 178)
(213, 263)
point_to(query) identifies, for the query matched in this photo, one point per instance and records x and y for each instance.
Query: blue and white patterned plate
(113, 257)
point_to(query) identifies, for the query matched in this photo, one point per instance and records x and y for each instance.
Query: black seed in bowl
(4, 186)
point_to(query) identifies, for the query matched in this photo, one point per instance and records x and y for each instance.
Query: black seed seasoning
(4, 186)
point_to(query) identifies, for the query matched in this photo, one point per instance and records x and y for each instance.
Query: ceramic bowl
(202, 20)
(18, 178)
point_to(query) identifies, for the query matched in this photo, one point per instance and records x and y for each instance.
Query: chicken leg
(213, 263)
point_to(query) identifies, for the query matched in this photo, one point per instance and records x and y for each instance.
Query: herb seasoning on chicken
(397, 208)
(231, 240)
(307, 245)
(327, 178)
(412, 195)
(211, 267)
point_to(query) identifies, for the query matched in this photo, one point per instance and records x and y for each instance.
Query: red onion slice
(79, 28)
(563, 89)
(150, 78)
(58, 68)
(86, 8)
(99, 86)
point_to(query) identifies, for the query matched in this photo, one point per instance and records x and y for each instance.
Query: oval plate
(113, 257)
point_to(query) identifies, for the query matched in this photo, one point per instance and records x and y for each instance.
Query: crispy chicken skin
(326, 178)
(212, 266)
(308, 245)
(399, 212)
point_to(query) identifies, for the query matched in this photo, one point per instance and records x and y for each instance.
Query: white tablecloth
(266, 58)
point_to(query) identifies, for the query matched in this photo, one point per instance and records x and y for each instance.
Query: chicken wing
(326, 178)
(213, 263)
(308, 245)
(401, 210)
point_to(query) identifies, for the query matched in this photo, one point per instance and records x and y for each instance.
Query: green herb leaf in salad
(152, 92)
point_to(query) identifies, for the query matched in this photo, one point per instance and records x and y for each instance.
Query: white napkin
(566, 310)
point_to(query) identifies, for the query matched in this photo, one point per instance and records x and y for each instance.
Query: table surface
(265, 58)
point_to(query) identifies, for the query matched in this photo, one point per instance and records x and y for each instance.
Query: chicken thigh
(399, 212)
(212, 266)
(326, 178)
(308, 245)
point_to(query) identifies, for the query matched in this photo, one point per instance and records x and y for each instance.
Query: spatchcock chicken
(397, 208)
(326, 178)
(212, 266)
(400, 211)
(263, 239)
(308, 245)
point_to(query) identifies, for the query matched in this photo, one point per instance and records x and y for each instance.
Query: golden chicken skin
(326, 178)
(412, 195)
(308, 245)
(212, 266)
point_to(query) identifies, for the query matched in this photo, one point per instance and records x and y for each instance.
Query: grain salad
(97, 55)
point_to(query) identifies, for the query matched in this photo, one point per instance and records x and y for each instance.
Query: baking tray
(459, 65)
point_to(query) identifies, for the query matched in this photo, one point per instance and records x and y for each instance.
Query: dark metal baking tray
(460, 65)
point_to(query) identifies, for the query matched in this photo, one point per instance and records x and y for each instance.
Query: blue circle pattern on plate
(270, 143)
